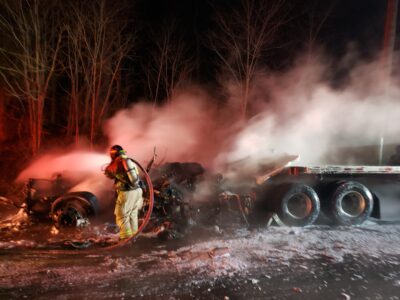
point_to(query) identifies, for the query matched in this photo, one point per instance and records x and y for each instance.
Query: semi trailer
(343, 195)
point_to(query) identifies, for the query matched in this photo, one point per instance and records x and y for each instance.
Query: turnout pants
(126, 211)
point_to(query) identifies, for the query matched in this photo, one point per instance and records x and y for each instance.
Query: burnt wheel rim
(70, 216)
(299, 206)
(352, 204)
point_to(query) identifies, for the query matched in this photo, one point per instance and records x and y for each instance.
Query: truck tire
(351, 203)
(297, 205)
(74, 209)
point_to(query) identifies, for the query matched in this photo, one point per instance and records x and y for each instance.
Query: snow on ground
(276, 244)
(222, 255)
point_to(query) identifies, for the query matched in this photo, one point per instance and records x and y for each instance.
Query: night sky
(357, 20)
(355, 25)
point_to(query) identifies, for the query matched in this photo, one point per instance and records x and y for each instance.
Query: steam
(82, 169)
(72, 165)
(303, 116)
(184, 130)
(294, 113)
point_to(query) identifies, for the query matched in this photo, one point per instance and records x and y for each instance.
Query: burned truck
(294, 195)
(51, 199)
(69, 203)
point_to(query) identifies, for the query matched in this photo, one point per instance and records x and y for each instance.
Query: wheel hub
(299, 206)
(353, 204)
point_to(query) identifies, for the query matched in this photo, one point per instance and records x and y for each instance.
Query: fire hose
(85, 248)
(146, 219)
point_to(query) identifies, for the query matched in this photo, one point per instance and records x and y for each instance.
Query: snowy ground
(270, 263)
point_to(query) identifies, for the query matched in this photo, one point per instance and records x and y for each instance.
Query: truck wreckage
(174, 189)
(58, 201)
(273, 191)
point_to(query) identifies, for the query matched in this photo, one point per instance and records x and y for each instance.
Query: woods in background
(67, 66)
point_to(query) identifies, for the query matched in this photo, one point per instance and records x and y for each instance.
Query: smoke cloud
(184, 130)
(293, 113)
(301, 115)
(81, 168)
(73, 165)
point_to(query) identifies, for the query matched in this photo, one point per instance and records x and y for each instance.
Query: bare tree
(29, 56)
(169, 63)
(99, 41)
(242, 37)
(316, 16)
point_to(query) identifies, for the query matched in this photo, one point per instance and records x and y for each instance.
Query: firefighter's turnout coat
(129, 194)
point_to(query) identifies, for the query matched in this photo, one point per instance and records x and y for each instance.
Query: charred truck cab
(56, 200)
(345, 195)
(50, 199)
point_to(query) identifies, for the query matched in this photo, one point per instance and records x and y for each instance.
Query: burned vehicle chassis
(49, 199)
(175, 184)
(294, 196)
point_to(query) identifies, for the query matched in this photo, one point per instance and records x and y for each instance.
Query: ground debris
(219, 252)
(254, 281)
(344, 296)
(297, 290)
(229, 263)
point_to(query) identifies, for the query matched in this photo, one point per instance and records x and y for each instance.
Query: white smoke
(309, 118)
(183, 130)
(75, 165)
(80, 170)
(294, 113)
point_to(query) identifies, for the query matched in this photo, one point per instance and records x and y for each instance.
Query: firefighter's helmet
(116, 151)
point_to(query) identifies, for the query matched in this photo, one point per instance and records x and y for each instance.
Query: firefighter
(125, 174)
